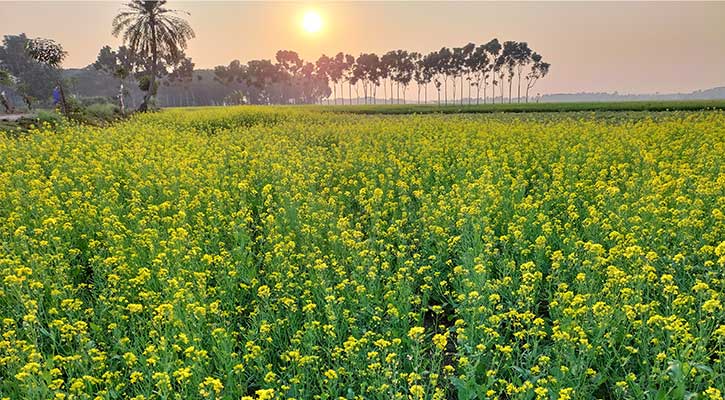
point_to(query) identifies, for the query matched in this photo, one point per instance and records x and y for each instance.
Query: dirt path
(14, 117)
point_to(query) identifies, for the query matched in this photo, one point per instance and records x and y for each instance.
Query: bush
(50, 117)
(104, 112)
(89, 101)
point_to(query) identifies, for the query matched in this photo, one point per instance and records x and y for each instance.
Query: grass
(649, 106)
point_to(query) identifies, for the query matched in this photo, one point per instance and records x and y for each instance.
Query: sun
(312, 22)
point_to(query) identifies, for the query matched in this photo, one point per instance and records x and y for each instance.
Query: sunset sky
(614, 46)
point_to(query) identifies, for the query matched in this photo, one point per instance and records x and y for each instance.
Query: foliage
(5, 77)
(48, 118)
(288, 81)
(119, 63)
(269, 253)
(46, 51)
(156, 37)
(616, 107)
(153, 31)
(293, 80)
(32, 79)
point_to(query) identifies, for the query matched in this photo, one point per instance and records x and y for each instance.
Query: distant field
(530, 107)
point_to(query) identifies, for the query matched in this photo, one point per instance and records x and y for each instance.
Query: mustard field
(291, 253)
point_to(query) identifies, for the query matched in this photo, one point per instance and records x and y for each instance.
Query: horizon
(672, 53)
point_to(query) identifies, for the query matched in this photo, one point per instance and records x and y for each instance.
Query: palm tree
(155, 34)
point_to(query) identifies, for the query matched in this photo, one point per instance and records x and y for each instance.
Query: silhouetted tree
(522, 58)
(31, 79)
(323, 65)
(119, 64)
(295, 80)
(388, 67)
(348, 73)
(444, 68)
(492, 49)
(465, 64)
(156, 35)
(539, 69)
(50, 53)
(335, 73)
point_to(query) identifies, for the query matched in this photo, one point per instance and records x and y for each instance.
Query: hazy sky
(614, 46)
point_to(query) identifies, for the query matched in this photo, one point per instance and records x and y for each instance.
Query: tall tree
(183, 75)
(51, 54)
(388, 67)
(324, 66)
(522, 58)
(234, 76)
(444, 68)
(119, 64)
(420, 73)
(290, 64)
(348, 74)
(337, 69)
(156, 35)
(432, 65)
(509, 61)
(262, 74)
(464, 64)
(32, 80)
(492, 50)
(401, 71)
(407, 69)
(365, 71)
(539, 69)
(476, 66)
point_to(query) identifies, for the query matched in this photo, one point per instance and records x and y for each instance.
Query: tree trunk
(501, 89)
(63, 103)
(510, 82)
(7, 103)
(385, 93)
(518, 89)
(391, 91)
(121, 104)
(462, 90)
(151, 92)
(453, 92)
(469, 92)
(478, 94)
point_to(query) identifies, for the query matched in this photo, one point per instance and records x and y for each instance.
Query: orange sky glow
(593, 47)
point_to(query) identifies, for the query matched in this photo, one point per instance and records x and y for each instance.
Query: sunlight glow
(312, 22)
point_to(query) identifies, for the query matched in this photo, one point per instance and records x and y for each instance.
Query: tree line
(291, 79)
(155, 38)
